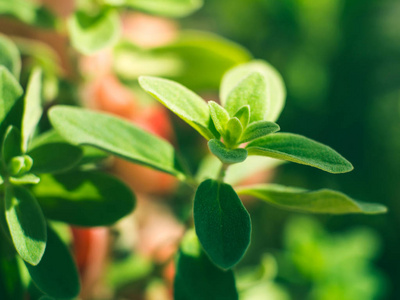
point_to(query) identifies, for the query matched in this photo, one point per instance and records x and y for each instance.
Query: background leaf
(90, 33)
(26, 224)
(12, 144)
(9, 56)
(84, 198)
(321, 201)
(10, 280)
(181, 101)
(168, 8)
(221, 222)
(197, 278)
(301, 150)
(56, 274)
(10, 91)
(114, 135)
(275, 86)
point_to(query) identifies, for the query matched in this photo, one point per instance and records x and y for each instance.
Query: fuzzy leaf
(116, 136)
(25, 179)
(301, 150)
(167, 8)
(55, 157)
(258, 129)
(251, 91)
(32, 107)
(226, 155)
(222, 223)
(219, 116)
(56, 274)
(92, 33)
(275, 87)
(243, 114)
(320, 201)
(26, 224)
(233, 131)
(10, 91)
(181, 101)
(197, 278)
(84, 198)
(9, 56)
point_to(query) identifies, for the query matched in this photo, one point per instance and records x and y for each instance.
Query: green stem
(222, 172)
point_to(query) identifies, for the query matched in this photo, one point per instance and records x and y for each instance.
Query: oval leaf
(9, 56)
(26, 223)
(91, 33)
(243, 114)
(10, 91)
(116, 136)
(233, 131)
(181, 101)
(11, 144)
(222, 223)
(84, 198)
(54, 157)
(226, 155)
(301, 150)
(275, 86)
(197, 278)
(219, 116)
(32, 107)
(321, 201)
(167, 8)
(258, 129)
(56, 274)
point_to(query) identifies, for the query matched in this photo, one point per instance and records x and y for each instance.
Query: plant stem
(222, 172)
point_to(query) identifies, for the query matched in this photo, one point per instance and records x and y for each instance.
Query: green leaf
(12, 144)
(10, 281)
(26, 223)
(20, 165)
(243, 114)
(24, 179)
(197, 278)
(91, 33)
(181, 101)
(226, 155)
(301, 150)
(320, 201)
(56, 274)
(32, 107)
(222, 223)
(9, 56)
(84, 198)
(219, 116)
(252, 91)
(275, 86)
(10, 91)
(258, 129)
(233, 131)
(116, 136)
(167, 8)
(55, 157)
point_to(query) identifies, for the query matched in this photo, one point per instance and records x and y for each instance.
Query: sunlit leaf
(258, 129)
(226, 155)
(219, 116)
(301, 150)
(233, 131)
(243, 114)
(9, 56)
(84, 198)
(26, 223)
(320, 201)
(56, 274)
(24, 179)
(168, 8)
(275, 87)
(222, 223)
(197, 278)
(116, 136)
(10, 91)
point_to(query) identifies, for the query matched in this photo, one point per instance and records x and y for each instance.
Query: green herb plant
(252, 96)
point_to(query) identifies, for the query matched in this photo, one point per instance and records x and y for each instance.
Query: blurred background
(340, 61)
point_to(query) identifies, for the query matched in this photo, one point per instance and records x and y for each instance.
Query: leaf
(24, 179)
(195, 59)
(56, 274)
(10, 91)
(243, 114)
(20, 165)
(258, 129)
(226, 155)
(55, 157)
(84, 198)
(32, 107)
(301, 150)
(9, 56)
(197, 278)
(26, 223)
(116, 136)
(233, 131)
(92, 33)
(167, 8)
(219, 116)
(275, 86)
(320, 201)
(11, 144)
(252, 91)
(181, 101)
(221, 222)
(10, 281)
